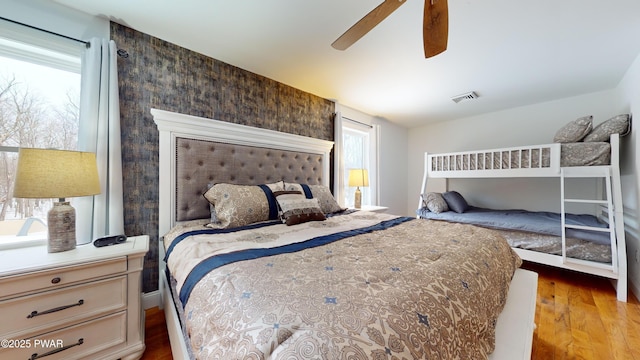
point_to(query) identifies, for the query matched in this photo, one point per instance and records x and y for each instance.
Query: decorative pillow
(303, 189)
(296, 209)
(455, 201)
(276, 186)
(616, 125)
(240, 205)
(328, 203)
(434, 202)
(212, 209)
(575, 130)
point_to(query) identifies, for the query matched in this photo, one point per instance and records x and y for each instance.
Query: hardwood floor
(156, 337)
(577, 317)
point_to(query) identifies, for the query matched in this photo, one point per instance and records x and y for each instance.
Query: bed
(538, 231)
(590, 243)
(352, 285)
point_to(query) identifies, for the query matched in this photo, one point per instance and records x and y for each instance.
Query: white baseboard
(151, 299)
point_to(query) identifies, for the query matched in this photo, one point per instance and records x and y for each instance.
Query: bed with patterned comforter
(356, 286)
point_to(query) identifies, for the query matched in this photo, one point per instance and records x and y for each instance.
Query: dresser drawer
(35, 313)
(60, 277)
(79, 341)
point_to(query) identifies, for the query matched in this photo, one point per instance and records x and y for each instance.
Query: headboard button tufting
(198, 164)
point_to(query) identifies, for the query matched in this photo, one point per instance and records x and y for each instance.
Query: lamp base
(358, 200)
(61, 221)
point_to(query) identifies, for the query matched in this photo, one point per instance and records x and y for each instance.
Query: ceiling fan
(435, 25)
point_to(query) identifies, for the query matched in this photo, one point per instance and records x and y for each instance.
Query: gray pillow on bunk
(455, 201)
(575, 130)
(616, 125)
(434, 202)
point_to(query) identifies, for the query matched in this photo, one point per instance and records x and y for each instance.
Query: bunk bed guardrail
(523, 161)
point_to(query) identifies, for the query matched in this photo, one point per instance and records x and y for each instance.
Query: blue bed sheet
(541, 222)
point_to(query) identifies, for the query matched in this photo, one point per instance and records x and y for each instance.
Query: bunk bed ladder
(590, 172)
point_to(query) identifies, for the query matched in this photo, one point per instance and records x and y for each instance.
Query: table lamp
(358, 177)
(47, 173)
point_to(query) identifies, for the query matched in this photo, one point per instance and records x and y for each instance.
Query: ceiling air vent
(467, 96)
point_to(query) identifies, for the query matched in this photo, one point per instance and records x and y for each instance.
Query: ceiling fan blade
(435, 28)
(367, 23)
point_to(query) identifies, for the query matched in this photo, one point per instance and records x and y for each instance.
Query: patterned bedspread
(358, 286)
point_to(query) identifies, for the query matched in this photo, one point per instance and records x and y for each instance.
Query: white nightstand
(78, 304)
(374, 208)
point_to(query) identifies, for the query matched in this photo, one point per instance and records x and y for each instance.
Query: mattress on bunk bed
(414, 289)
(541, 222)
(537, 230)
(585, 154)
(571, 154)
(550, 244)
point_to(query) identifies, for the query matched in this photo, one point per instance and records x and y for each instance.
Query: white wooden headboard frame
(173, 125)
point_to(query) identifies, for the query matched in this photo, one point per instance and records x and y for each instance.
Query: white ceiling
(511, 52)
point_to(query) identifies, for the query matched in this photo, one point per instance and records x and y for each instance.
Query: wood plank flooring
(577, 317)
(156, 337)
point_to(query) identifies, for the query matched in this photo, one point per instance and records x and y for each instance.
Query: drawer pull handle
(55, 280)
(36, 313)
(55, 351)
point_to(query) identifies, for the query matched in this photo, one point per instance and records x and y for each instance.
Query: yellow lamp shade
(46, 173)
(358, 177)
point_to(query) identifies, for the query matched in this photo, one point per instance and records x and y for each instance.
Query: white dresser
(79, 304)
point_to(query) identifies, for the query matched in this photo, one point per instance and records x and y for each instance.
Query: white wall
(629, 101)
(48, 15)
(392, 160)
(527, 125)
(393, 166)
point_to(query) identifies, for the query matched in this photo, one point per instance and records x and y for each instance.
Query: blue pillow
(455, 201)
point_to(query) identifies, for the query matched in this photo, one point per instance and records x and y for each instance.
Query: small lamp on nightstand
(46, 173)
(358, 177)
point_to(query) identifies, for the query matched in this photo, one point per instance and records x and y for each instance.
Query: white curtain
(99, 132)
(338, 160)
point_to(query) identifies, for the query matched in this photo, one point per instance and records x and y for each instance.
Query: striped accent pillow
(295, 208)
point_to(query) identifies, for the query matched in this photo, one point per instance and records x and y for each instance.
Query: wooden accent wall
(159, 74)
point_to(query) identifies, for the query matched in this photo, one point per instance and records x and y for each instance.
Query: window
(356, 156)
(39, 107)
(356, 146)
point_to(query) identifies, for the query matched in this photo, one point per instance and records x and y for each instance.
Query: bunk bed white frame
(498, 163)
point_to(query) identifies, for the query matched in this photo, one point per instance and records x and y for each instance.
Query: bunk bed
(596, 159)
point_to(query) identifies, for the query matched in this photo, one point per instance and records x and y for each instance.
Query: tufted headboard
(196, 151)
(200, 163)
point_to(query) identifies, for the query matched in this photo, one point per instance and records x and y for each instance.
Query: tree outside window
(39, 108)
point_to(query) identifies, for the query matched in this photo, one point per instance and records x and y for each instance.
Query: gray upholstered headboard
(200, 163)
(196, 151)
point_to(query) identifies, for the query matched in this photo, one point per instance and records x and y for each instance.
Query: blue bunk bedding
(540, 222)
